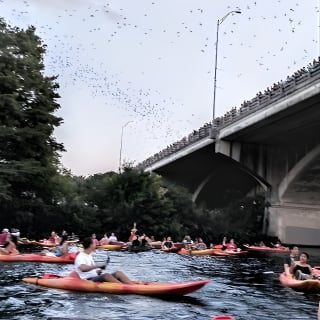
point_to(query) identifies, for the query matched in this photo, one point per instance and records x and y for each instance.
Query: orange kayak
(204, 252)
(172, 249)
(267, 249)
(32, 257)
(213, 252)
(306, 286)
(151, 288)
(219, 252)
(113, 246)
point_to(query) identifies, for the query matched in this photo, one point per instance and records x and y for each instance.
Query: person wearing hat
(4, 236)
(15, 232)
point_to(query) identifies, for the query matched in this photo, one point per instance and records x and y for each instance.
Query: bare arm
(293, 264)
(86, 267)
(64, 249)
(286, 269)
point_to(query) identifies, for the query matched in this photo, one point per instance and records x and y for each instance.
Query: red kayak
(150, 288)
(223, 318)
(306, 286)
(32, 257)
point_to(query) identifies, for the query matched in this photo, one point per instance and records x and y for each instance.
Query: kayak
(138, 248)
(204, 252)
(225, 253)
(172, 249)
(112, 247)
(33, 257)
(50, 244)
(179, 245)
(45, 243)
(212, 252)
(25, 241)
(223, 318)
(267, 249)
(158, 244)
(306, 286)
(150, 288)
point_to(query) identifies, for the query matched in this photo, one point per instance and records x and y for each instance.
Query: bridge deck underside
(225, 176)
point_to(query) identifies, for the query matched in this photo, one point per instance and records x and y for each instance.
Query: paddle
(103, 266)
(257, 274)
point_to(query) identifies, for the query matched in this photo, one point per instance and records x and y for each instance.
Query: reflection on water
(247, 288)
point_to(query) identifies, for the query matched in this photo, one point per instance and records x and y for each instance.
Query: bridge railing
(299, 80)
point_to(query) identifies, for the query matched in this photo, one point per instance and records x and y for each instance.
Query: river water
(246, 288)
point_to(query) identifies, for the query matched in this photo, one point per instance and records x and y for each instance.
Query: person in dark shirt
(301, 269)
(167, 244)
(136, 242)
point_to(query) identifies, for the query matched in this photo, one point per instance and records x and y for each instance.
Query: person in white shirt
(86, 268)
(113, 238)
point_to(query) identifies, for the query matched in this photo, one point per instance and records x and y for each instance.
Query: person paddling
(86, 268)
(229, 246)
(10, 247)
(58, 251)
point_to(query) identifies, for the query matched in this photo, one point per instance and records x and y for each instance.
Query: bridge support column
(295, 224)
(231, 149)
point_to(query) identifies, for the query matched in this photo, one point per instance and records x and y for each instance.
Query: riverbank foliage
(38, 196)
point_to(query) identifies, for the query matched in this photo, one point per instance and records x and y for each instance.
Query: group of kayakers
(295, 265)
(58, 245)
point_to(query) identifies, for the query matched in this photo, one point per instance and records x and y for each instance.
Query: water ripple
(247, 288)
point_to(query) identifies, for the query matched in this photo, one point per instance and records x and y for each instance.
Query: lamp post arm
(215, 75)
(121, 139)
(225, 17)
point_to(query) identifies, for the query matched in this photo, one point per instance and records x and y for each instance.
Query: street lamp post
(120, 157)
(216, 63)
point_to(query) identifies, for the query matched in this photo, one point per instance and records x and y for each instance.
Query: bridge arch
(302, 183)
(232, 172)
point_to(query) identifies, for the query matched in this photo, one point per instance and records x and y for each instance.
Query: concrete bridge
(271, 144)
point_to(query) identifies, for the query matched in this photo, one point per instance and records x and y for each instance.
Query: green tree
(28, 150)
(158, 207)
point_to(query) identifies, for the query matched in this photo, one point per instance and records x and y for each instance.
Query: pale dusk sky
(152, 63)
